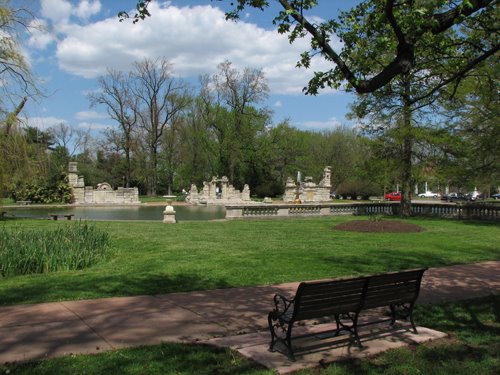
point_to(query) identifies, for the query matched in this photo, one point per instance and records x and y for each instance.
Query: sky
(75, 42)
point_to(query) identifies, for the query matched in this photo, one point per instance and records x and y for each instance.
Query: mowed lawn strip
(156, 258)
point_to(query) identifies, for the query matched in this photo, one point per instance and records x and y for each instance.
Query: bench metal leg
(406, 312)
(353, 328)
(274, 323)
(291, 356)
(270, 319)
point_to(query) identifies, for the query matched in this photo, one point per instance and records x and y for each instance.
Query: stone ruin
(218, 191)
(307, 191)
(102, 194)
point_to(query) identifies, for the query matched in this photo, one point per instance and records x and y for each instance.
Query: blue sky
(76, 41)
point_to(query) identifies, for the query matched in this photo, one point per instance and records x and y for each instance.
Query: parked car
(473, 195)
(428, 194)
(394, 196)
(454, 197)
(496, 196)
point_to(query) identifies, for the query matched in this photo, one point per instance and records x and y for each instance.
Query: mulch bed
(382, 226)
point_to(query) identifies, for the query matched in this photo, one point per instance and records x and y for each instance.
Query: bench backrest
(322, 298)
(316, 299)
(393, 288)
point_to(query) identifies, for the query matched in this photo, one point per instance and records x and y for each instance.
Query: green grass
(473, 348)
(6, 201)
(26, 251)
(155, 258)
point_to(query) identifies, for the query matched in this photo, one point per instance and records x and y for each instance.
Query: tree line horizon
(426, 80)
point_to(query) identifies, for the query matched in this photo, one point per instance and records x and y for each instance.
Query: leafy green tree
(16, 86)
(470, 156)
(384, 42)
(197, 148)
(15, 72)
(230, 98)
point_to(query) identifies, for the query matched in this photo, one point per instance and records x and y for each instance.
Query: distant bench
(23, 203)
(57, 216)
(345, 299)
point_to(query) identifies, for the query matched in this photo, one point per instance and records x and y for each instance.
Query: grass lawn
(472, 348)
(152, 257)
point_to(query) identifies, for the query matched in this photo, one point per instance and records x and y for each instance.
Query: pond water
(183, 213)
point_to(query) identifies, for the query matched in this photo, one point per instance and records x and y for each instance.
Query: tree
(421, 18)
(73, 140)
(471, 155)
(117, 96)
(229, 98)
(15, 73)
(160, 100)
(382, 42)
(16, 85)
(197, 147)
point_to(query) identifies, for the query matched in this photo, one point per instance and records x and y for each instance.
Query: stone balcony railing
(486, 211)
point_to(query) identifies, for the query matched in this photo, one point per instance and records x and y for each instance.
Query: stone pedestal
(169, 213)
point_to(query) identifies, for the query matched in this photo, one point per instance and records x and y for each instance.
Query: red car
(394, 196)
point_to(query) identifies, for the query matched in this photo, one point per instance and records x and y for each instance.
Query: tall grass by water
(68, 247)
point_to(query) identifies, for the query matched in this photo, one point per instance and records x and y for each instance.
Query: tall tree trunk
(11, 119)
(127, 168)
(154, 171)
(407, 150)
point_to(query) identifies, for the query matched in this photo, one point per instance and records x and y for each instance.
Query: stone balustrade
(487, 211)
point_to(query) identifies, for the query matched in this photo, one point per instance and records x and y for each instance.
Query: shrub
(69, 247)
(41, 192)
(355, 188)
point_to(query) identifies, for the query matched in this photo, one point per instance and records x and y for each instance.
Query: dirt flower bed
(381, 226)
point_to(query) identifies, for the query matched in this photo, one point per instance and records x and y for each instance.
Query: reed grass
(68, 247)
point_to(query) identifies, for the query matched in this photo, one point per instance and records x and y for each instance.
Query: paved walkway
(235, 317)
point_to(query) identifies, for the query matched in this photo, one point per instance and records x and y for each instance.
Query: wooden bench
(57, 216)
(343, 300)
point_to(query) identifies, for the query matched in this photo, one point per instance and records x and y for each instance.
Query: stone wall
(218, 191)
(103, 194)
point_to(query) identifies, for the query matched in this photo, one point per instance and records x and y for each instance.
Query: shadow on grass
(472, 348)
(158, 359)
(466, 319)
(385, 260)
(88, 286)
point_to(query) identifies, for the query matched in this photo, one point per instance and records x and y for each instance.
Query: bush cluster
(43, 193)
(69, 247)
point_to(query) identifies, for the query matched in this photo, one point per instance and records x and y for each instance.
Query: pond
(183, 213)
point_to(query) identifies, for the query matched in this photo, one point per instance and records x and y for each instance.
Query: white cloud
(278, 104)
(86, 9)
(44, 123)
(90, 115)
(40, 37)
(331, 123)
(195, 39)
(60, 11)
(93, 126)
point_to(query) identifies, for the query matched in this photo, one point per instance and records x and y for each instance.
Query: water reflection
(183, 213)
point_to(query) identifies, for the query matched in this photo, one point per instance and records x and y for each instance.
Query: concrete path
(235, 317)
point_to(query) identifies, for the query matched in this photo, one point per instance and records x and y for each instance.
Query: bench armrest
(282, 304)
